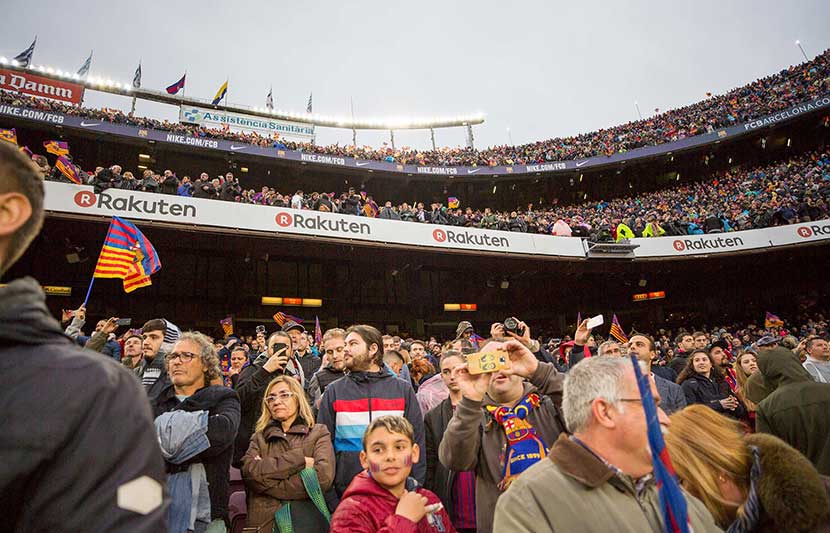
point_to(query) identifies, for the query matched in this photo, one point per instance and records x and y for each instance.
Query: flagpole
(89, 290)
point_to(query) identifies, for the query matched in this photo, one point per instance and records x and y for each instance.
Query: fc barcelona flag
(9, 135)
(57, 147)
(69, 170)
(176, 87)
(128, 255)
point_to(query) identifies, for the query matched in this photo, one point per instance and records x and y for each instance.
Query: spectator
(394, 361)
(196, 424)
(796, 408)
(494, 402)
(818, 359)
(597, 479)
(170, 183)
(300, 343)
(456, 490)
(703, 382)
(748, 482)
(348, 404)
(383, 497)
(251, 385)
(133, 355)
(745, 365)
(286, 448)
(685, 344)
(64, 469)
(671, 394)
(238, 361)
(159, 337)
(334, 343)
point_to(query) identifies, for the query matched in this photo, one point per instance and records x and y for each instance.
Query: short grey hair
(592, 378)
(207, 353)
(604, 346)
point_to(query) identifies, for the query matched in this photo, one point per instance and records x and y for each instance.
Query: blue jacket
(351, 403)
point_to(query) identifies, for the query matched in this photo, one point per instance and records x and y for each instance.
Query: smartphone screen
(277, 347)
(124, 321)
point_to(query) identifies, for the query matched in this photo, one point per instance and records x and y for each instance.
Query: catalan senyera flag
(57, 147)
(9, 135)
(672, 501)
(66, 168)
(227, 326)
(281, 318)
(617, 330)
(772, 321)
(318, 332)
(127, 254)
(223, 90)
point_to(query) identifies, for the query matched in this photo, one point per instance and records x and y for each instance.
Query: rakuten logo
(464, 237)
(133, 204)
(341, 225)
(708, 243)
(814, 229)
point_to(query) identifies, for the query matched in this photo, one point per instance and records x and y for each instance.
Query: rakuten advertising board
(137, 205)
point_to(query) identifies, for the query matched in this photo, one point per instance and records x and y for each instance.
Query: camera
(511, 324)
(260, 329)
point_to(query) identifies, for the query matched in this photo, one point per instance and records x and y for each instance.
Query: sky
(536, 69)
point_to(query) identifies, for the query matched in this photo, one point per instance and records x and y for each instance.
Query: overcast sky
(540, 68)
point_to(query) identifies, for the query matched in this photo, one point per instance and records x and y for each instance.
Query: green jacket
(797, 410)
(576, 491)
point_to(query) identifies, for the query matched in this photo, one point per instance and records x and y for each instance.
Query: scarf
(524, 447)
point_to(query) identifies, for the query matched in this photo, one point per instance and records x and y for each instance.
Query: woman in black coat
(703, 383)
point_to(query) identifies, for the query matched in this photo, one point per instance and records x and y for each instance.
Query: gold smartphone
(487, 362)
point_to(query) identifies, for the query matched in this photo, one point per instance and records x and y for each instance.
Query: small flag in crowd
(672, 501)
(281, 318)
(476, 338)
(24, 58)
(617, 330)
(772, 321)
(178, 86)
(58, 148)
(223, 90)
(269, 100)
(318, 332)
(453, 203)
(9, 135)
(127, 254)
(69, 170)
(137, 77)
(227, 326)
(308, 107)
(84, 70)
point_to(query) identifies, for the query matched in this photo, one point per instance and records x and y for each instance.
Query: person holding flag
(603, 477)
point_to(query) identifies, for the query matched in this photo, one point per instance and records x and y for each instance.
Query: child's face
(389, 457)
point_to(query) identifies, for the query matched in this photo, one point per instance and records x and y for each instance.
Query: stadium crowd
(785, 192)
(796, 84)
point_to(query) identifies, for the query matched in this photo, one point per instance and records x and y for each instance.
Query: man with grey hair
(192, 365)
(609, 349)
(600, 477)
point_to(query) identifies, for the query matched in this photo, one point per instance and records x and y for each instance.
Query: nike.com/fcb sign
(217, 118)
(24, 82)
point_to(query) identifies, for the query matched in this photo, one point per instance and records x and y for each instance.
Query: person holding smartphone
(251, 385)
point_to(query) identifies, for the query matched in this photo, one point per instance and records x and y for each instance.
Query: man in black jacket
(77, 450)
(456, 489)
(192, 365)
(334, 343)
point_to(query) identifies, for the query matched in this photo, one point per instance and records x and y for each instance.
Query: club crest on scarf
(524, 447)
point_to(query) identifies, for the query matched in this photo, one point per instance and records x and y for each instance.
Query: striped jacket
(350, 403)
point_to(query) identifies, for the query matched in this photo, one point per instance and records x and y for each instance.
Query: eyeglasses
(184, 357)
(281, 397)
(637, 400)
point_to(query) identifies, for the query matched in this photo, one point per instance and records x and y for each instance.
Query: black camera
(260, 329)
(511, 324)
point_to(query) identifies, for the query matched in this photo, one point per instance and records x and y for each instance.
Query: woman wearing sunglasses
(289, 464)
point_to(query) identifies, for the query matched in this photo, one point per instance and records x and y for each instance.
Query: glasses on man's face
(281, 397)
(184, 357)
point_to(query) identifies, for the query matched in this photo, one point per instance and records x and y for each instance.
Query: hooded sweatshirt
(368, 508)
(77, 430)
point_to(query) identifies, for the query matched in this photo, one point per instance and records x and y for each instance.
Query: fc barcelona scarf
(524, 447)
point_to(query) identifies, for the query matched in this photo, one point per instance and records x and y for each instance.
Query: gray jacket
(672, 397)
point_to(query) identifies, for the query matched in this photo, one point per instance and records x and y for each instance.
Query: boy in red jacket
(383, 498)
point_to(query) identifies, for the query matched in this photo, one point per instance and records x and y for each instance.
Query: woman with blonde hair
(289, 464)
(750, 483)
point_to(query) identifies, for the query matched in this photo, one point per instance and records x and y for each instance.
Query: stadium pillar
(432, 137)
(392, 136)
(470, 140)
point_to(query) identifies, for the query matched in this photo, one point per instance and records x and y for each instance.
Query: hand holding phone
(487, 362)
